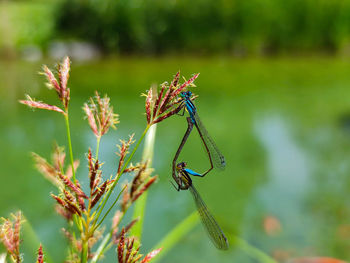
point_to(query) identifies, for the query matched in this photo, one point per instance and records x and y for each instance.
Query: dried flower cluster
(71, 200)
(60, 86)
(141, 182)
(100, 115)
(40, 105)
(52, 171)
(97, 188)
(166, 103)
(40, 258)
(127, 253)
(123, 151)
(10, 236)
(85, 209)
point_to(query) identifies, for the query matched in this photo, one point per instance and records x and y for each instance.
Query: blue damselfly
(212, 227)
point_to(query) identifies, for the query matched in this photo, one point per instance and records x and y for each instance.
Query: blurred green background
(273, 93)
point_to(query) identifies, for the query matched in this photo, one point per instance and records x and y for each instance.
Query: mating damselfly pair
(181, 174)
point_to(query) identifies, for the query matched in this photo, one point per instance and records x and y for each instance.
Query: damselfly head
(186, 94)
(180, 166)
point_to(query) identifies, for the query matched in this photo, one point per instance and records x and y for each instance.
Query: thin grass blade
(175, 235)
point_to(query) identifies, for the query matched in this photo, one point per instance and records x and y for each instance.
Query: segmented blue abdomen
(191, 172)
(191, 110)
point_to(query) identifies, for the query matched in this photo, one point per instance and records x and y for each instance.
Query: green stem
(104, 246)
(115, 201)
(84, 252)
(121, 172)
(254, 252)
(101, 248)
(182, 229)
(70, 144)
(175, 235)
(140, 205)
(98, 146)
(85, 237)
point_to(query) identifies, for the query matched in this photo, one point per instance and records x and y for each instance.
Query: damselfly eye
(181, 165)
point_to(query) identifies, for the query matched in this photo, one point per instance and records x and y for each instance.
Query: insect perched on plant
(212, 227)
(216, 158)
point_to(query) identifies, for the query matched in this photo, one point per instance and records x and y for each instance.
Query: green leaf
(173, 237)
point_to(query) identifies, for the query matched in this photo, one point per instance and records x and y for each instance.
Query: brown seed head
(91, 119)
(69, 171)
(64, 212)
(93, 170)
(100, 115)
(40, 258)
(59, 200)
(126, 199)
(151, 255)
(52, 81)
(99, 194)
(123, 150)
(63, 74)
(144, 188)
(40, 105)
(58, 157)
(61, 86)
(165, 104)
(139, 178)
(68, 196)
(127, 228)
(72, 186)
(156, 105)
(175, 81)
(46, 169)
(185, 85)
(121, 245)
(10, 235)
(116, 220)
(73, 206)
(129, 246)
(148, 106)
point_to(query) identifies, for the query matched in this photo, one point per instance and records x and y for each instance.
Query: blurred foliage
(239, 27)
(23, 23)
(205, 26)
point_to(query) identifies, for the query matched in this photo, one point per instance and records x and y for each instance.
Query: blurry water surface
(282, 124)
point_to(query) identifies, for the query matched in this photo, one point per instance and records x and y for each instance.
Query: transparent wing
(217, 158)
(213, 229)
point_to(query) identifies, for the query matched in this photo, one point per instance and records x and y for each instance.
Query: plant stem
(140, 205)
(98, 146)
(70, 144)
(254, 252)
(173, 237)
(101, 248)
(115, 201)
(85, 237)
(121, 172)
(104, 246)
(84, 252)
